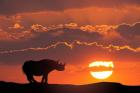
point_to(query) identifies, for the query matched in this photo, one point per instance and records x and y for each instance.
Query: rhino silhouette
(41, 68)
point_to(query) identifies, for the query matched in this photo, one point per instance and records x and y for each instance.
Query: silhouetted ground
(103, 87)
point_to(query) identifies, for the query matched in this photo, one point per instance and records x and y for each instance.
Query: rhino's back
(29, 66)
(36, 67)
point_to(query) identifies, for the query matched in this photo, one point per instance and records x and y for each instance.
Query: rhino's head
(60, 66)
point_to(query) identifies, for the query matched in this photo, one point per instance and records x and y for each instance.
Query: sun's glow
(104, 69)
(101, 75)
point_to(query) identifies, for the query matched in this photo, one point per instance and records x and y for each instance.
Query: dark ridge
(102, 87)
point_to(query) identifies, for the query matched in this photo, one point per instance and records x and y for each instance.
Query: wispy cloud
(72, 45)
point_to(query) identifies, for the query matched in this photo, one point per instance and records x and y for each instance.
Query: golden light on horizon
(101, 69)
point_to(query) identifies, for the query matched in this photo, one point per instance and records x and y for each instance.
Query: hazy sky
(76, 32)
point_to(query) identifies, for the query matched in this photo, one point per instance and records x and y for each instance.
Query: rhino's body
(42, 67)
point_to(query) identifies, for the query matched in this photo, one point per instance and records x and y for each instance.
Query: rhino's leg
(45, 79)
(42, 81)
(31, 79)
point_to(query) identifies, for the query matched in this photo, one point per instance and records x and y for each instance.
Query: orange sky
(77, 32)
(73, 75)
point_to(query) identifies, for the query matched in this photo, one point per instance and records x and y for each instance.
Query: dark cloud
(130, 34)
(129, 30)
(20, 6)
(41, 37)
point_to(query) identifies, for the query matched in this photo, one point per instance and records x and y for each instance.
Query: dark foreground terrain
(103, 87)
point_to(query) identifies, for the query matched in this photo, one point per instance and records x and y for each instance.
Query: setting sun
(101, 69)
